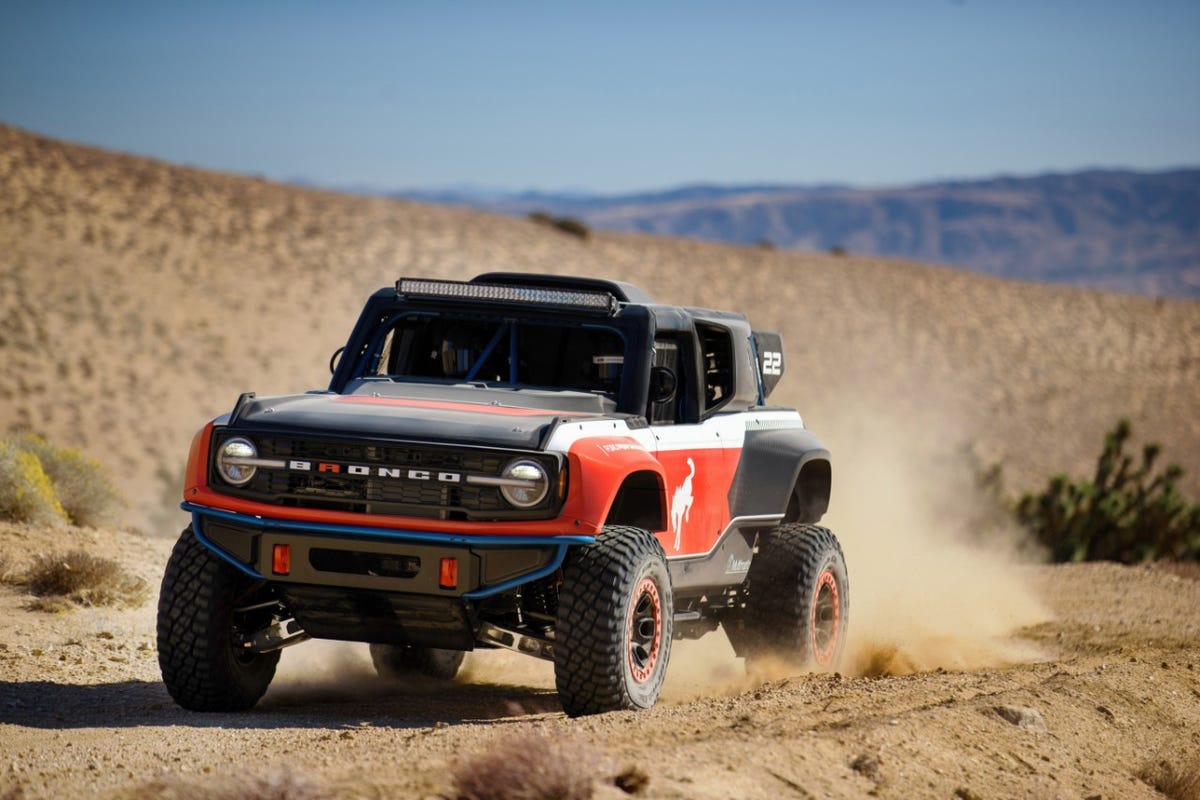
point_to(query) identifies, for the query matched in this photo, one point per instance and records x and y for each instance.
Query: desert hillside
(138, 298)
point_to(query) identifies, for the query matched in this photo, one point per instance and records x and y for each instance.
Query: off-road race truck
(554, 465)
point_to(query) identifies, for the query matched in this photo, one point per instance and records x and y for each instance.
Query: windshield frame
(382, 315)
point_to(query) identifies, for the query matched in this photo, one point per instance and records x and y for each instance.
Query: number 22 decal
(772, 363)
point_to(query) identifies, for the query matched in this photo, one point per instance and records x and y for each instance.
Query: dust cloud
(506, 668)
(935, 571)
(935, 575)
(325, 671)
(321, 670)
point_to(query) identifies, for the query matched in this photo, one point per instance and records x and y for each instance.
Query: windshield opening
(461, 349)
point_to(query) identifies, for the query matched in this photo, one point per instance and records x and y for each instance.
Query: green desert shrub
(26, 492)
(1126, 512)
(84, 489)
(84, 578)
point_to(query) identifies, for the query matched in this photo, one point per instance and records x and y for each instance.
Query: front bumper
(377, 559)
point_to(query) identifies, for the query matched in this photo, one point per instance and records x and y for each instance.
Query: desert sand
(1102, 690)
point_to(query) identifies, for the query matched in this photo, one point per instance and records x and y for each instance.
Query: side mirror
(663, 384)
(335, 359)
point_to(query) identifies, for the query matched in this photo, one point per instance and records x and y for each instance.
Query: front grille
(435, 496)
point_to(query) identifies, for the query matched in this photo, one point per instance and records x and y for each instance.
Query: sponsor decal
(617, 447)
(737, 565)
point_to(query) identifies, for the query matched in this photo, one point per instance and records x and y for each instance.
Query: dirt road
(1107, 691)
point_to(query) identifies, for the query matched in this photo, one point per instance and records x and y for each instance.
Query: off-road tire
(615, 620)
(396, 662)
(201, 666)
(798, 599)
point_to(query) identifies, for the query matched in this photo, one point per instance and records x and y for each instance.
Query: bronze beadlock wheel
(645, 630)
(826, 620)
(798, 599)
(614, 623)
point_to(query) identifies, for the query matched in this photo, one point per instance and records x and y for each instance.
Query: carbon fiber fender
(782, 471)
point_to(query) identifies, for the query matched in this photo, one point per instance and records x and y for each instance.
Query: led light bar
(460, 290)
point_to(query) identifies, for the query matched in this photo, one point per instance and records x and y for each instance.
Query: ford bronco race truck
(554, 465)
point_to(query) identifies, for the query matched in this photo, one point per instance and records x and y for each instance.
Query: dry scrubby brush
(530, 766)
(82, 578)
(26, 493)
(84, 488)
(46, 485)
(558, 466)
(1126, 512)
(1176, 778)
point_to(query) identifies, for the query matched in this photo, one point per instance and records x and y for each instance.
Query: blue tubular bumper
(559, 543)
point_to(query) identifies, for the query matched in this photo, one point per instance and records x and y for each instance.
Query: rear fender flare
(782, 471)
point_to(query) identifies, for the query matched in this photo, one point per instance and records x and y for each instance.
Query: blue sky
(612, 96)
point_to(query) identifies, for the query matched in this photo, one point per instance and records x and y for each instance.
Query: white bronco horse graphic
(681, 502)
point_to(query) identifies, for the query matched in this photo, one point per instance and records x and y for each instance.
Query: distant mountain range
(1119, 230)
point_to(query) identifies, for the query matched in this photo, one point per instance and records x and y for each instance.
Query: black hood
(465, 414)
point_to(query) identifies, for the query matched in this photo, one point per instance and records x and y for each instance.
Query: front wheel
(798, 599)
(205, 610)
(614, 624)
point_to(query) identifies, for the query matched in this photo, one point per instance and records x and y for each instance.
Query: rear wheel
(614, 624)
(798, 599)
(205, 611)
(396, 662)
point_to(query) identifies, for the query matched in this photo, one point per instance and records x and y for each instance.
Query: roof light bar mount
(572, 299)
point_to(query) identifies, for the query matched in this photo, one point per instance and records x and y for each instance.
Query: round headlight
(526, 483)
(235, 461)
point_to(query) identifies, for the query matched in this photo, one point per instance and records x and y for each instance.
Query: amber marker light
(281, 559)
(448, 573)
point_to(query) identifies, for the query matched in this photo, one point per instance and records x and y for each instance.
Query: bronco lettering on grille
(365, 471)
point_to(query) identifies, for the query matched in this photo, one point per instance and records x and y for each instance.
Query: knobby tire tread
(782, 580)
(195, 605)
(590, 648)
